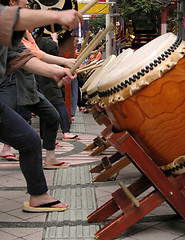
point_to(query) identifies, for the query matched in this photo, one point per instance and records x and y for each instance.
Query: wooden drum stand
(99, 143)
(167, 188)
(108, 168)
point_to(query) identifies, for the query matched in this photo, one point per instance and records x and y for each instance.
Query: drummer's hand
(60, 73)
(69, 62)
(69, 18)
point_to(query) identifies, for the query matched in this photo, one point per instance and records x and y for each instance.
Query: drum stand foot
(109, 167)
(166, 188)
(101, 147)
(100, 144)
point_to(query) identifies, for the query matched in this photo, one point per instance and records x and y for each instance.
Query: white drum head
(97, 72)
(145, 65)
(93, 87)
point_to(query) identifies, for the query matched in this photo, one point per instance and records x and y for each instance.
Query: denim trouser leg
(16, 132)
(64, 117)
(49, 115)
(74, 96)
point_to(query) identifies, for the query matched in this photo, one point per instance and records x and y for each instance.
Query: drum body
(151, 106)
(155, 116)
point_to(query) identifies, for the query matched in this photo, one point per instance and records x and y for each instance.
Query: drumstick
(129, 194)
(84, 42)
(92, 47)
(91, 42)
(89, 68)
(88, 65)
(91, 60)
(88, 6)
(96, 62)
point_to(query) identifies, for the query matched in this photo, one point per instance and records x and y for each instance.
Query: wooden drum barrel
(146, 97)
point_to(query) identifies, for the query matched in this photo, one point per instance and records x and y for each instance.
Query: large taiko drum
(146, 97)
(96, 73)
(92, 88)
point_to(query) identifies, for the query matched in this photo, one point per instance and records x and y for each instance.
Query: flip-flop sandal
(57, 144)
(43, 208)
(10, 157)
(55, 166)
(74, 138)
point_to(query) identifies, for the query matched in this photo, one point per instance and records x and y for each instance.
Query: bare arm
(49, 70)
(69, 18)
(67, 62)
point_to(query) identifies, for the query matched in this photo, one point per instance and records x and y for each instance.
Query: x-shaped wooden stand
(166, 188)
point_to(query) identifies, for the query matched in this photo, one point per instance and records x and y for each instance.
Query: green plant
(143, 13)
(95, 24)
(181, 11)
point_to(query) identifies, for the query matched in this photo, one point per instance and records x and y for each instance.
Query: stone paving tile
(156, 234)
(79, 192)
(22, 232)
(6, 236)
(74, 186)
(72, 232)
(37, 235)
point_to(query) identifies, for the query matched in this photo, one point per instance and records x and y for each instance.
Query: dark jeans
(64, 117)
(50, 118)
(74, 96)
(16, 132)
(24, 112)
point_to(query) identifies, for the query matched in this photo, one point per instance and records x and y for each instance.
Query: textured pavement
(74, 186)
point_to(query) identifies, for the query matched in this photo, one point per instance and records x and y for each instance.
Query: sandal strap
(49, 204)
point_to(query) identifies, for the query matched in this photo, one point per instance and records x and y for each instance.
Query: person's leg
(41, 127)
(6, 153)
(25, 139)
(64, 117)
(64, 122)
(25, 113)
(49, 115)
(8, 95)
(74, 96)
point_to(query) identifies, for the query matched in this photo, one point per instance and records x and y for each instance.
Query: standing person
(74, 84)
(20, 134)
(50, 88)
(30, 98)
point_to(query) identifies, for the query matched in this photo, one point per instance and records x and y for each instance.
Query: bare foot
(7, 154)
(51, 157)
(43, 199)
(69, 135)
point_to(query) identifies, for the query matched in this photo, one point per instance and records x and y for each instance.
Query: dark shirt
(49, 86)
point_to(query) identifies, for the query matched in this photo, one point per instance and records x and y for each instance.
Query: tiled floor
(74, 185)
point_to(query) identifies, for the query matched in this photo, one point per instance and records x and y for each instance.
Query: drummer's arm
(69, 18)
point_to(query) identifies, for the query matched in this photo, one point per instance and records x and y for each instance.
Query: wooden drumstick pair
(85, 53)
(88, 50)
(93, 40)
(87, 68)
(84, 43)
